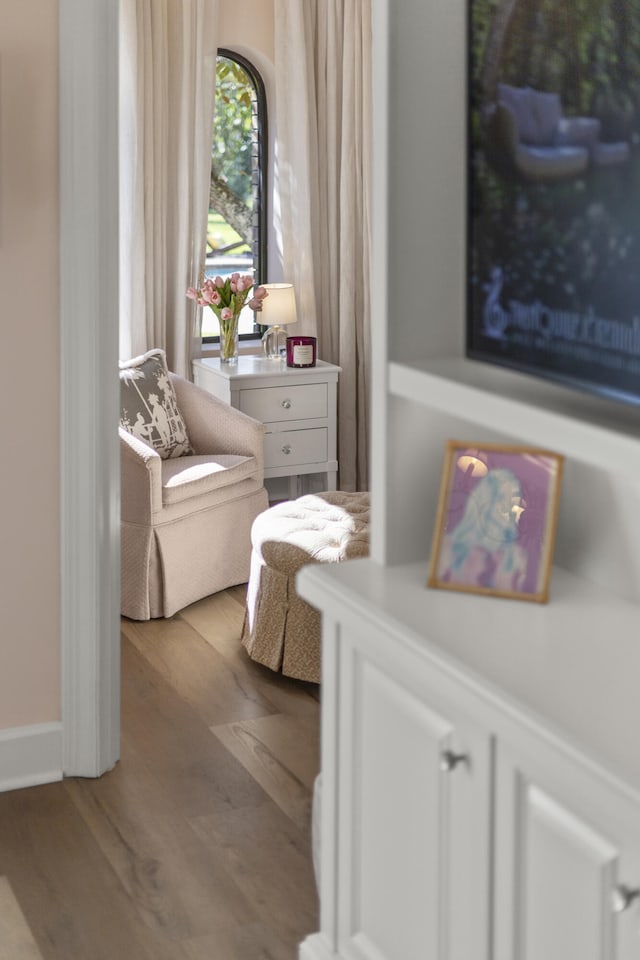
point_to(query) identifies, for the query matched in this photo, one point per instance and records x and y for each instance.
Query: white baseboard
(315, 948)
(30, 755)
(359, 947)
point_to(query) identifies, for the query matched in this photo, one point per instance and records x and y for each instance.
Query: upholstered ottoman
(281, 630)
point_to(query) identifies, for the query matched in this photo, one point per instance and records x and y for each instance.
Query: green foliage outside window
(236, 203)
(233, 137)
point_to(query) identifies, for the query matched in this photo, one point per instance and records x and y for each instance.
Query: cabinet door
(413, 816)
(567, 870)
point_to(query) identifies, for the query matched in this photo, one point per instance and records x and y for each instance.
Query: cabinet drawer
(294, 447)
(272, 404)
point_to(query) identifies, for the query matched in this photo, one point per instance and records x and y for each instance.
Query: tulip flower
(227, 297)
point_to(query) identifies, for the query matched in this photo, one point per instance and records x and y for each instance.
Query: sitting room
(320, 640)
(170, 767)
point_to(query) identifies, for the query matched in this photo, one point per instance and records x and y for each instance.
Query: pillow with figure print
(148, 405)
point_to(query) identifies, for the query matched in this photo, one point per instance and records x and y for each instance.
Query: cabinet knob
(450, 760)
(286, 404)
(622, 898)
(287, 448)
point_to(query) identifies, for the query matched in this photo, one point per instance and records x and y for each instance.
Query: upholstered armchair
(528, 133)
(186, 520)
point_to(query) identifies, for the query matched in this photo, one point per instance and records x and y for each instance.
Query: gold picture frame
(496, 520)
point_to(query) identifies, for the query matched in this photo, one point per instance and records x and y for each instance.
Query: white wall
(29, 384)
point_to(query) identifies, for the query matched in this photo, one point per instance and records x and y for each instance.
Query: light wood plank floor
(196, 846)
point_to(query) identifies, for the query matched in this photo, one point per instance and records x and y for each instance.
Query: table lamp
(278, 310)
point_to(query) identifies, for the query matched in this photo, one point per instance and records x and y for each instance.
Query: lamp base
(274, 343)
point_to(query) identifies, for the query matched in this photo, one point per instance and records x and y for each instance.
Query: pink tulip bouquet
(227, 298)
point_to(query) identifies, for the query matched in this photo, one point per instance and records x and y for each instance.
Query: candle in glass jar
(301, 351)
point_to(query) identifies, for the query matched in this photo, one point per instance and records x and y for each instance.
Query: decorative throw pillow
(148, 405)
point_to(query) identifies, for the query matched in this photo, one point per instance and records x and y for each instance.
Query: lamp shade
(279, 308)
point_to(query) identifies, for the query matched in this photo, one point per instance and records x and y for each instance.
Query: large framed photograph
(554, 191)
(496, 522)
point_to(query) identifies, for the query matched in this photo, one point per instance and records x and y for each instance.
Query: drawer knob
(622, 897)
(287, 448)
(450, 760)
(286, 404)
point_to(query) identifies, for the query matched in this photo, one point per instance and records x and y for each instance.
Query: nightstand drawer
(272, 404)
(294, 447)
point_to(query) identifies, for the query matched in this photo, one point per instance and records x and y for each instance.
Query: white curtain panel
(323, 175)
(167, 78)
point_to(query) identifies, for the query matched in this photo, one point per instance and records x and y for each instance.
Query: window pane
(233, 235)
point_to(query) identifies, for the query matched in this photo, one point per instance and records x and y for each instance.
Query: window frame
(259, 241)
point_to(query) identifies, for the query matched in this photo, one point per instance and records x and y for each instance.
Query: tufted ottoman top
(317, 528)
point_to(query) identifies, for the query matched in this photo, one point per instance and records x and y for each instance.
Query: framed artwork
(496, 521)
(553, 287)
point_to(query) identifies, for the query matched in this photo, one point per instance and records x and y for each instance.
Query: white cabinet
(413, 773)
(529, 850)
(457, 821)
(567, 864)
(298, 407)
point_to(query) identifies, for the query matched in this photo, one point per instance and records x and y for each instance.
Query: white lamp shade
(279, 308)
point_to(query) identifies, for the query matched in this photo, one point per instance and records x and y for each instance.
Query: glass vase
(229, 341)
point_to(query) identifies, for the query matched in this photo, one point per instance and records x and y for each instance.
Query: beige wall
(29, 352)
(30, 345)
(247, 23)
(247, 27)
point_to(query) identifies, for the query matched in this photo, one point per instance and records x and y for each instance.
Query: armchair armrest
(215, 427)
(141, 479)
(577, 132)
(502, 130)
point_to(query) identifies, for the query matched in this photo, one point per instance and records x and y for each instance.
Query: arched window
(237, 227)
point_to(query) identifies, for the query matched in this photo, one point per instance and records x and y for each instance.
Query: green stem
(228, 334)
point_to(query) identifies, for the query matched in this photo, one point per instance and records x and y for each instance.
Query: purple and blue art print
(497, 521)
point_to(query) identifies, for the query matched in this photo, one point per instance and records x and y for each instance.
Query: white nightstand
(298, 407)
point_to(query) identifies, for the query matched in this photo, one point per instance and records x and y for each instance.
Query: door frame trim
(90, 491)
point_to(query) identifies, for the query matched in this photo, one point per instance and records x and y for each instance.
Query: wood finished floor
(196, 846)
